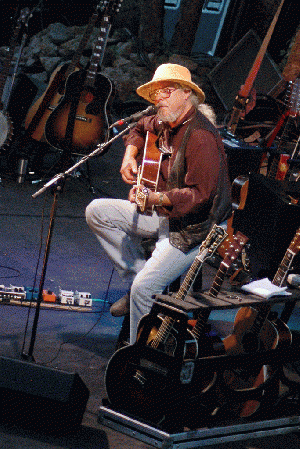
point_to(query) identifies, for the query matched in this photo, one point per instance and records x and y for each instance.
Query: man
(193, 193)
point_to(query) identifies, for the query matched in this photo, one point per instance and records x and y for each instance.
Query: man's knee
(93, 212)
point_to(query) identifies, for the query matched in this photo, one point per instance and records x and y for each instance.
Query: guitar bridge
(81, 118)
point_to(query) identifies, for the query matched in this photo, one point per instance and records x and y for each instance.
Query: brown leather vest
(190, 230)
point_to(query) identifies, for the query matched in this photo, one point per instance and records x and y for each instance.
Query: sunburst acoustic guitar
(80, 121)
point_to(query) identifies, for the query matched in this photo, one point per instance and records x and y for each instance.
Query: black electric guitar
(253, 331)
(80, 121)
(137, 384)
(40, 111)
(6, 126)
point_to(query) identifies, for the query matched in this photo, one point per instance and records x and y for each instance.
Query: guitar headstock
(213, 240)
(237, 243)
(109, 7)
(295, 243)
(25, 15)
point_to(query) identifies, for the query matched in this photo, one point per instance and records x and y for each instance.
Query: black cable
(12, 269)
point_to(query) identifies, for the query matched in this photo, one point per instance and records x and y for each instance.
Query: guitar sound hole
(250, 342)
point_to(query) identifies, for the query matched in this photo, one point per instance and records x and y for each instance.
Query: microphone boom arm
(98, 150)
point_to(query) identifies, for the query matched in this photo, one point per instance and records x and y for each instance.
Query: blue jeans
(120, 230)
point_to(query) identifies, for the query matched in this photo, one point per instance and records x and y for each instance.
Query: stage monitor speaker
(209, 28)
(270, 221)
(231, 72)
(41, 398)
(242, 158)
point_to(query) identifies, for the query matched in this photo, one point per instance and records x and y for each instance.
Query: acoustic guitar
(148, 172)
(40, 111)
(140, 385)
(80, 121)
(253, 331)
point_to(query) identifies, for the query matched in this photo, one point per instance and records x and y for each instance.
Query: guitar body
(40, 111)
(273, 334)
(80, 121)
(141, 386)
(242, 340)
(194, 348)
(168, 345)
(151, 162)
(148, 172)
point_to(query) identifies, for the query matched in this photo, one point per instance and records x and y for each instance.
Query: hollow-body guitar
(254, 331)
(80, 121)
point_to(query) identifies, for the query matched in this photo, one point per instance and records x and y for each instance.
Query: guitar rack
(280, 416)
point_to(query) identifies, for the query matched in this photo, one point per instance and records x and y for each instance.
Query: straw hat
(174, 73)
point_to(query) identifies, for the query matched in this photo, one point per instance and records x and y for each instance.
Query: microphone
(135, 117)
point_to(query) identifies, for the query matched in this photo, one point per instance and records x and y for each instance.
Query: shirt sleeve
(137, 135)
(201, 179)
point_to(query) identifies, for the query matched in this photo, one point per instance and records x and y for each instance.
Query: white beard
(169, 117)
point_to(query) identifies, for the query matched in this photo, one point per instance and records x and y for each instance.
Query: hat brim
(144, 90)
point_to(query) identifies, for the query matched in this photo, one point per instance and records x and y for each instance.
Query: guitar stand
(213, 416)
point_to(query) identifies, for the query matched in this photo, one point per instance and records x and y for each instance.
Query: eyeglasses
(164, 92)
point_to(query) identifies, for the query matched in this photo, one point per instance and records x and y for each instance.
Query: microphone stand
(57, 183)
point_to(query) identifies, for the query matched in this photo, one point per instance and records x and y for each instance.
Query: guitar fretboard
(82, 44)
(283, 268)
(218, 280)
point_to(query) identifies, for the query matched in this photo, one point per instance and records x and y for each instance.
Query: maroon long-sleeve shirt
(202, 162)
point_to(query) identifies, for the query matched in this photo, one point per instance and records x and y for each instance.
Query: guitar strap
(73, 110)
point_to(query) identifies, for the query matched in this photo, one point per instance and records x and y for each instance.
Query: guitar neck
(287, 260)
(209, 246)
(163, 332)
(219, 279)
(237, 110)
(236, 245)
(98, 53)
(189, 279)
(199, 328)
(262, 314)
(77, 55)
(283, 268)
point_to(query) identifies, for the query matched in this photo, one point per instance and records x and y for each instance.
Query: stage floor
(72, 340)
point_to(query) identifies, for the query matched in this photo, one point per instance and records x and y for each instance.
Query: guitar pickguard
(80, 120)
